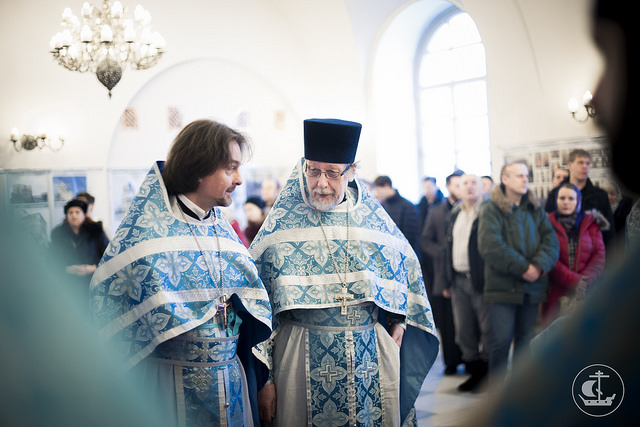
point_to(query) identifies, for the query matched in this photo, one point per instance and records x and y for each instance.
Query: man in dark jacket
(432, 197)
(401, 211)
(465, 283)
(433, 243)
(518, 245)
(592, 197)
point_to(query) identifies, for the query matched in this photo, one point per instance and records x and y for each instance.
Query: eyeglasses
(331, 174)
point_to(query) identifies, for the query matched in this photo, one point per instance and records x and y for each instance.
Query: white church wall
(310, 59)
(304, 53)
(307, 56)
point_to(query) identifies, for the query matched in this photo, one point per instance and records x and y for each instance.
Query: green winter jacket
(510, 237)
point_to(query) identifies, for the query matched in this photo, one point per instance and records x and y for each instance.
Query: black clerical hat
(331, 140)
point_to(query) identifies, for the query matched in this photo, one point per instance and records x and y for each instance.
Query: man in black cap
(354, 335)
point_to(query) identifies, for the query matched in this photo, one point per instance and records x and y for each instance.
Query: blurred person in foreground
(177, 293)
(604, 331)
(56, 371)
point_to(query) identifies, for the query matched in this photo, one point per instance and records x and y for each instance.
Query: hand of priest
(397, 332)
(267, 403)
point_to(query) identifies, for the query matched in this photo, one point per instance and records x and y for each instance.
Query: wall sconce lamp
(30, 142)
(574, 107)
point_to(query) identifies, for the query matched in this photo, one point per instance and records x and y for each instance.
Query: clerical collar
(191, 209)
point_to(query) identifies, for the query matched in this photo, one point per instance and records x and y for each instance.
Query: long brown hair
(201, 148)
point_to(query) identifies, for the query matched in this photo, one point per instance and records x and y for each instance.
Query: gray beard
(323, 206)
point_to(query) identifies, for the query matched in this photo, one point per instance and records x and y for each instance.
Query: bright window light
(451, 98)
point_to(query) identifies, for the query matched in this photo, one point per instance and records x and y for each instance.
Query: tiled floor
(440, 404)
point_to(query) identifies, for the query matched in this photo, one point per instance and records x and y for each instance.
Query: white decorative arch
(206, 88)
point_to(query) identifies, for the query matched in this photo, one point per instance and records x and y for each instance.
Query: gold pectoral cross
(344, 296)
(222, 306)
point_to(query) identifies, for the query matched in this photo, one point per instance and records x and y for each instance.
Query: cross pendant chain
(344, 296)
(223, 304)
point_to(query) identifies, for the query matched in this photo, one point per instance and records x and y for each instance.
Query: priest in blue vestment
(353, 334)
(177, 293)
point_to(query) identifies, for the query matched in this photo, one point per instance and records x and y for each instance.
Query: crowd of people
(499, 265)
(492, 266)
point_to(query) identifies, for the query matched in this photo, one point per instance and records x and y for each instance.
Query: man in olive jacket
(518, 245)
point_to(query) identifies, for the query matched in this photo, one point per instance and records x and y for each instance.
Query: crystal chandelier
(104, 41)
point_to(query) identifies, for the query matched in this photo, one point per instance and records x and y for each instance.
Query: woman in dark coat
(78, 244)
(582, 251)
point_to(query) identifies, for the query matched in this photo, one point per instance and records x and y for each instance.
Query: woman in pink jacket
(582, 251)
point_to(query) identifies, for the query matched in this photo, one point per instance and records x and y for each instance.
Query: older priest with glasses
(353, 335)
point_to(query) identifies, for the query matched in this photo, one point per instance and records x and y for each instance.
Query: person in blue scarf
(177, 293)
(582, 253)
(353, 335)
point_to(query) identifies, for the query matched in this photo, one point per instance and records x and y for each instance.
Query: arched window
(451, 95)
